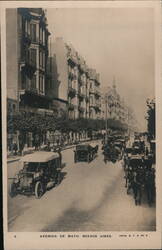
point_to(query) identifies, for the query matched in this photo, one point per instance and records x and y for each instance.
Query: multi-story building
(76, 83)
(114, 105)
(94, 95)
(27, 54)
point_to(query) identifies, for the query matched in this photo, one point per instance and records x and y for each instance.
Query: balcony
(92, 91)
(82, 67)
(26, 39)
(81, 95)
(92, 105)
(87, 99)
(72, 59)
(81, 109)
(97, 94)
(71, 106)
(97, 108)
(98, 104)
(80, 80)
(72, 76)
(71, 92)
(28, 67)
(30, 97)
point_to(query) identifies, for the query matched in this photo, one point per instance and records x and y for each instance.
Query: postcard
(82, 122)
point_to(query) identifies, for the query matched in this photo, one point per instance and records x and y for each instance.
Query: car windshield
(33, 166)
(82, 147)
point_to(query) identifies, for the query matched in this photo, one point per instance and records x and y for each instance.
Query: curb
(13, 160)
(17, 159)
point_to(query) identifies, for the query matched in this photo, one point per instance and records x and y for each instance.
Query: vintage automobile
(41, 171)
(85, 152)
(111, 152)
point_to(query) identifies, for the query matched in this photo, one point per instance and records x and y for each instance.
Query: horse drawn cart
(140, 178)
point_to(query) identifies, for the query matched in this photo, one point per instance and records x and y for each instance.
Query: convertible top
(40, 157)
(93, 144)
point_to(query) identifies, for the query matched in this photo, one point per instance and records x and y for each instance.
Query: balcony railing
(71, 91)
(92, 105)
(80, 80)
(72, 58)
(81, 109)
(98, 105)
(71, 106)
(92, 91)
(26, 38)
(87, 99)
(97, 108)
(72, 76)
(81, 95)
(97, 93)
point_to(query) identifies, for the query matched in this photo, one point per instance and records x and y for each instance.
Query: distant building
(115, 106)
(75, 82)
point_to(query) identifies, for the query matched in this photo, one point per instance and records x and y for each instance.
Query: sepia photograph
(80, 119)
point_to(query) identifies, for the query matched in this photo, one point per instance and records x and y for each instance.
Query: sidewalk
(32, 150)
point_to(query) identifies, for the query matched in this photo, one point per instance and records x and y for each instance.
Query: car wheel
(38, 190)
(13, 190)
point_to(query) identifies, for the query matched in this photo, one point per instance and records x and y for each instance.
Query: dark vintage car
(41, 171)
(85, 152)
(111, 152)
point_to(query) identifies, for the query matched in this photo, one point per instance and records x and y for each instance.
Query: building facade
(27, 56)
(113, 106)
(76, 83)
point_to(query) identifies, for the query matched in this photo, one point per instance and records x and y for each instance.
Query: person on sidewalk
(15, 148)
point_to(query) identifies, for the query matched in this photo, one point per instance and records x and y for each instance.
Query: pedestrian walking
(15, 148)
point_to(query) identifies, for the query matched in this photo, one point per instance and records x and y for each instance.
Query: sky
(117, 42)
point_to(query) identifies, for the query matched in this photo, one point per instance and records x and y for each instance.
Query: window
(33, 82)
(41, 59)
(40, 34)
(33, 32)
(41, 84)
(23, 81)
(33, 56)
(43, 36)
(14, 107)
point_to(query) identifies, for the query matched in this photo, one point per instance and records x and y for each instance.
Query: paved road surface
(92, 197)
